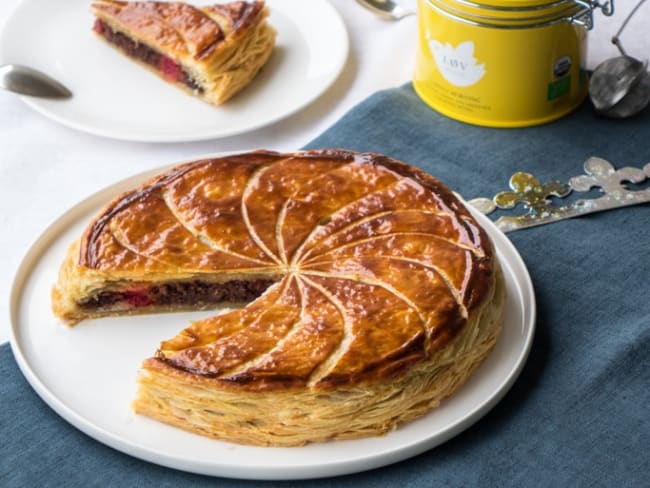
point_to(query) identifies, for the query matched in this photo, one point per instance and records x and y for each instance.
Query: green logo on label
(558, 88)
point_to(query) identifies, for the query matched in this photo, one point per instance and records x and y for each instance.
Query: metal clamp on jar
(504, 63)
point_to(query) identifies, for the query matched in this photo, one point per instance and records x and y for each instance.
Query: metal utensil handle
(616, 39)
(585, 17)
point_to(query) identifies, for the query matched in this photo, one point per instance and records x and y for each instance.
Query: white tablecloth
(45, 168)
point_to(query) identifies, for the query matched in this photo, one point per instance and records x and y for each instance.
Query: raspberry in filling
(170, 70)
(137, 298)
(98, 27)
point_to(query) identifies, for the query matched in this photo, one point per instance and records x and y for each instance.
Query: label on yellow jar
(457, 64)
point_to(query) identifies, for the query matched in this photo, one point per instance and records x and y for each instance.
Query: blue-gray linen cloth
(579, 414)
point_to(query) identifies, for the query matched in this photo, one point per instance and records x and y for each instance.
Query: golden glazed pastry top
(179, 28)
(376, 263)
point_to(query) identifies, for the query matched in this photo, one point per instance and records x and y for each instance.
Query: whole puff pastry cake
(371, 293)
(211, 52)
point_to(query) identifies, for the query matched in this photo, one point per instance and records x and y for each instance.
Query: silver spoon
(28, 81)
(387, 9)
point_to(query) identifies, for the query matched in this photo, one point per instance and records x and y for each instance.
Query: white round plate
(116, 98)
(88, 374)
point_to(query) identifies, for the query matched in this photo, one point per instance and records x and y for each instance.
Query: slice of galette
(211, 52)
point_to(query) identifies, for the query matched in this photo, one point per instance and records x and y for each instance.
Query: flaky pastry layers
(373, 293)
(211, 52)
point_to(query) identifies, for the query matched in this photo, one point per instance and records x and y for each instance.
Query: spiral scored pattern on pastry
(385, 292)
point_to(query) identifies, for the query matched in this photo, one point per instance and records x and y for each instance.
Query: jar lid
(514, 4)
(509, 13)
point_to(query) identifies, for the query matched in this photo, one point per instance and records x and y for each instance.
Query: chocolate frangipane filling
(169, 69)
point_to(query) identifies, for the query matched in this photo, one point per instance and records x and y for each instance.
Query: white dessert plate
(87, 374)
(114, 97)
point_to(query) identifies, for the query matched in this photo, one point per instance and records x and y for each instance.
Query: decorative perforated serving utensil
(535, 198)
(620, 87)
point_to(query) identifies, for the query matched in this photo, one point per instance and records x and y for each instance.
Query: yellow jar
(503, 63)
